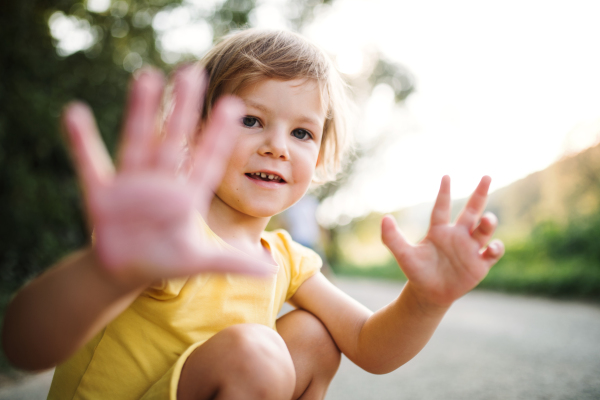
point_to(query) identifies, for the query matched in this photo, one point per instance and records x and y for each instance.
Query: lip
(268, 172)
(267, 184)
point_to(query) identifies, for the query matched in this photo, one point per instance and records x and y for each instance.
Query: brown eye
(300, 134)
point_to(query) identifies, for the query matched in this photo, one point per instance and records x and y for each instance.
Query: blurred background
(509, 89)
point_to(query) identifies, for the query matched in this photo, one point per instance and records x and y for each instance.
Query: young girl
(179, 293)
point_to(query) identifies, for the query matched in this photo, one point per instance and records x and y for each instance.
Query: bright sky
(503, 88)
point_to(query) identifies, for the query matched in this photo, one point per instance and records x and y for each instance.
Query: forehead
(291, 96)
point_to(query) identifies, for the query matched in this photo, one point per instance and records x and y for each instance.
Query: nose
(275, 144)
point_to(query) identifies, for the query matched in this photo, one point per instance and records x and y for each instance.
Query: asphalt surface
(489, 346)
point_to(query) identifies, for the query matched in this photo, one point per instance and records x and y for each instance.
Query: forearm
(377, 342)
(396, 333)
(57, 313)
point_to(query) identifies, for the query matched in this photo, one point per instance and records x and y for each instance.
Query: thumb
(393, 238)
(233, 263)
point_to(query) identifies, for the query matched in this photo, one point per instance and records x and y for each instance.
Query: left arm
(377, 342)
(450, 261)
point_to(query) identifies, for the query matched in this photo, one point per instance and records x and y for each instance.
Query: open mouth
(264, 176)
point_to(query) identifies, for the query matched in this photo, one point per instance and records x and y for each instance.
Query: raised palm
(453, 258)
(145, 214)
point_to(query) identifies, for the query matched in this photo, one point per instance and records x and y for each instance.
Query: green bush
(557, 260)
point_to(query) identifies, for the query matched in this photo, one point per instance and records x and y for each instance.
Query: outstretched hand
(453, 258)
(145, 214)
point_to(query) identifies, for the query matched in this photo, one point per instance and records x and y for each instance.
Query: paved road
(489, 346)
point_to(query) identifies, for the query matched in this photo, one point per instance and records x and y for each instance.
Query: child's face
(279, 138)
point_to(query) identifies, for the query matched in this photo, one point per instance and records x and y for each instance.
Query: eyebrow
(258, 106)
(266, 110)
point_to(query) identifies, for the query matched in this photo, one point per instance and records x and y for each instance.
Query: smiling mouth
(263, 176)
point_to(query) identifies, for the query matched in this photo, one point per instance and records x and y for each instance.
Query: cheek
(233, 170)
(304, 170)
(239, 156)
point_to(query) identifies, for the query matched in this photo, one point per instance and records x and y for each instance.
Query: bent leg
(246, 361)
(315, 355)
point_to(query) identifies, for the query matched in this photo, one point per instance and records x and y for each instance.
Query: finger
(493, 252)
(142, 117)
(183, 120)
(441, 210)
(484, 231)
(92, 162)
(212, 153)
(232, 263)
(393, 238)
(470, 214)
(202, 262)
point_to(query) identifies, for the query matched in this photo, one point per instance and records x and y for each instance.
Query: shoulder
(281, 243)
(299, 262)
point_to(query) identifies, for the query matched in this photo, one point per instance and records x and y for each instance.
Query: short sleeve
(301, 262)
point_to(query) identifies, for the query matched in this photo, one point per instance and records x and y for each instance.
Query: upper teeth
(267, 176)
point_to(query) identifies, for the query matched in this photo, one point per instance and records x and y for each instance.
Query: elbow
(20, 356)
(377, 366)
(380, 369)
(26, 362)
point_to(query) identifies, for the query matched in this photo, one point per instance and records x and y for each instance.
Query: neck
(240, 230)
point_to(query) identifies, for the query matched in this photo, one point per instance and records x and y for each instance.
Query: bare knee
(315, 354)
(319, 343)
(245, 361)
(261, 363)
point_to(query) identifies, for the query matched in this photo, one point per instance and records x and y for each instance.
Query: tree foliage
(41, 210)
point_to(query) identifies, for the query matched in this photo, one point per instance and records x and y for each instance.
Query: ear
(318, 160)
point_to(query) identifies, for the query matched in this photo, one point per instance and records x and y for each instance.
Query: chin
(263, 210)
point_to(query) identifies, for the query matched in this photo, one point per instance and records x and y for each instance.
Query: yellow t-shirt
(142, 344)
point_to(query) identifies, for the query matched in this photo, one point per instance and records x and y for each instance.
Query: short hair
(249, 56)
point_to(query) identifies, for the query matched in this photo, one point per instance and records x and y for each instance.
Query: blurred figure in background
(301, 222)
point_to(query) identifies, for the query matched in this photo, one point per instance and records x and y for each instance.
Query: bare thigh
(314, 353)
(246, 361)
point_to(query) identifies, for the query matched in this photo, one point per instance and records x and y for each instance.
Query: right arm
(144, 218)
(57, 313)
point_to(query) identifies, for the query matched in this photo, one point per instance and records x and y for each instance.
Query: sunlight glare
(98, 6)
(350, 61)
(503, 89)
(268, 16)
(378, 112)
(178, 33)
(71, 33)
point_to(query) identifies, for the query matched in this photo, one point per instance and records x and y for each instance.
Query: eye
(250, 122)
(301, 134)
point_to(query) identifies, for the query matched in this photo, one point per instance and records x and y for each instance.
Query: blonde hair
(251, 55)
